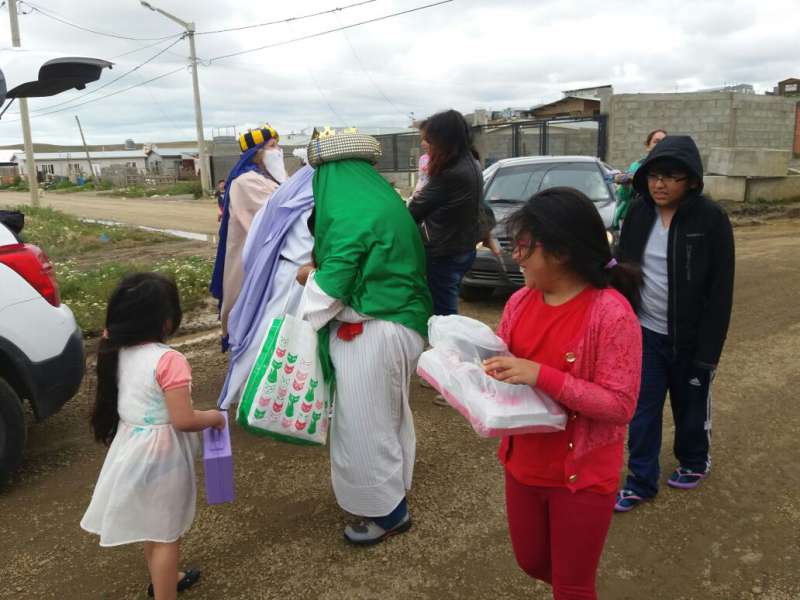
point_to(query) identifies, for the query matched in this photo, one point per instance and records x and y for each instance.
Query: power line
(289, 20)
(319, 88)
(103, 97)
(222, 57)
(135, 50)
(366, 71)
(321, 33)
(82, 28)
(113, 81)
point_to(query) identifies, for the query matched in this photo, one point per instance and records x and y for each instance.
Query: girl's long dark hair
(448, 134)
(566, 223)
(144, 307)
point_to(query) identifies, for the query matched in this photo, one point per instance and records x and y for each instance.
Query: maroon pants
(558, 535)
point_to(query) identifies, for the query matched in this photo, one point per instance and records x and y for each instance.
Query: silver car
(508, 184)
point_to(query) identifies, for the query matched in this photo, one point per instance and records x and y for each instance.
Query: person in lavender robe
(278, 243)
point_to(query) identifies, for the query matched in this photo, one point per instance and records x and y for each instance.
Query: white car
(41, 346)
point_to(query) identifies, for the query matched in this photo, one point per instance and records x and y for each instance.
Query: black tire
(12, 431)
(475, 294)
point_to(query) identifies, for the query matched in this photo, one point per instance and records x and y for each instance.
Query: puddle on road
(187, 235)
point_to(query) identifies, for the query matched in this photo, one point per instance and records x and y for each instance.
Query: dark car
(507, 185)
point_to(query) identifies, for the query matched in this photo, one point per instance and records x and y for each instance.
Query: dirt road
(184, 212)
(734, 538)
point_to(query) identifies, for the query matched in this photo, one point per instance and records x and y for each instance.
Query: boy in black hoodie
(684, 243)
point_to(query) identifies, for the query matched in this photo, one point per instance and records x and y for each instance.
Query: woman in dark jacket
(448, 208)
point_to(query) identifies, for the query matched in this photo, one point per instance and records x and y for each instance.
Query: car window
(515, 183)
(585, 178)
(520, 182)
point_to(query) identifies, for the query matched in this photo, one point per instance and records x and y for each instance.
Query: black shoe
(189, 578)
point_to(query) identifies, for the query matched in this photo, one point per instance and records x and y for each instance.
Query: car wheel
(12, 430)
(475, 294)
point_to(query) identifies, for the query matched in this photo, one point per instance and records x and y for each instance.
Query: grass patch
(86, 292)
(86, 289)
(179, 188)
(89, 186)
(63, 236)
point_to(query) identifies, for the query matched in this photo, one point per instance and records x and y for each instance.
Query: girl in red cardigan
(574, 335)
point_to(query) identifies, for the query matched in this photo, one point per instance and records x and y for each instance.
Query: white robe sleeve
(317, 307)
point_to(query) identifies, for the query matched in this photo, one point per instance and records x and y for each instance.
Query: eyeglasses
(668, 179)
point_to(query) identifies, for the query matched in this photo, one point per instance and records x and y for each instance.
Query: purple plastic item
(218, 463)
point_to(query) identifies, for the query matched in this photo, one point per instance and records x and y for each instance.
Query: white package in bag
(454, 367)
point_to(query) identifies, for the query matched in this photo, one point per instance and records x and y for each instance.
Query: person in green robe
(368, 287)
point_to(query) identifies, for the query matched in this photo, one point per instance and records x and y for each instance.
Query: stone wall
(725, 119)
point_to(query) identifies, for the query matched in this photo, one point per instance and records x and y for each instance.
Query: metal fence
(553, 137)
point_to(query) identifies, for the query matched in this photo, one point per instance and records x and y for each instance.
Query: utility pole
(33, 184)
(205, 172)
(85, 147)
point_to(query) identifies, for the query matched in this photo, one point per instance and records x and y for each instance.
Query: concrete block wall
(773, 188)
(713, 119)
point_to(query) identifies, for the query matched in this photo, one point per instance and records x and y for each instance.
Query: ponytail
(626, 278)
(105, 416)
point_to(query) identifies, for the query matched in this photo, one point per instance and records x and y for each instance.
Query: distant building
(181, 163)
(739, 88)
(74, 164)
(600, 92)
(578, 103)
(8, 165)
(789, 87)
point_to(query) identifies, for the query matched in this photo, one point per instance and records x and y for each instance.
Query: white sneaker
(367, 532)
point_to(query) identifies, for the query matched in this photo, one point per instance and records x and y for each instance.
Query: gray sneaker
(367, 532)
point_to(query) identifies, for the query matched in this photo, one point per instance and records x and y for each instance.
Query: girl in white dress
(143, 410)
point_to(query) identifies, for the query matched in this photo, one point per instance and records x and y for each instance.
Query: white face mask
(273, 163)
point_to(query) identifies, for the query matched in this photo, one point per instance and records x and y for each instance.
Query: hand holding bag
(218, 464)
(454, 367)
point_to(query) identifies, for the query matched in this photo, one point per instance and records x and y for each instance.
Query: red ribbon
(349, 331)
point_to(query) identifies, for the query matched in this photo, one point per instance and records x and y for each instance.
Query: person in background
(424, 160)
(624, 181)
(574, 335)
(448, 208)
(219, 194)
(143, 412)
(684, 242)
(250, 184)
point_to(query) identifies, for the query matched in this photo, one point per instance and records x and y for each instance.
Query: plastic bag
(454, 367)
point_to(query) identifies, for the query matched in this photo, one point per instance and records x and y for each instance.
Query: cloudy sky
(464, 54)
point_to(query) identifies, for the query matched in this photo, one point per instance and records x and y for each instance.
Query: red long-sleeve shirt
(590, 352)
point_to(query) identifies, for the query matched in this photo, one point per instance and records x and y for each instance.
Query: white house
(72, 164)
